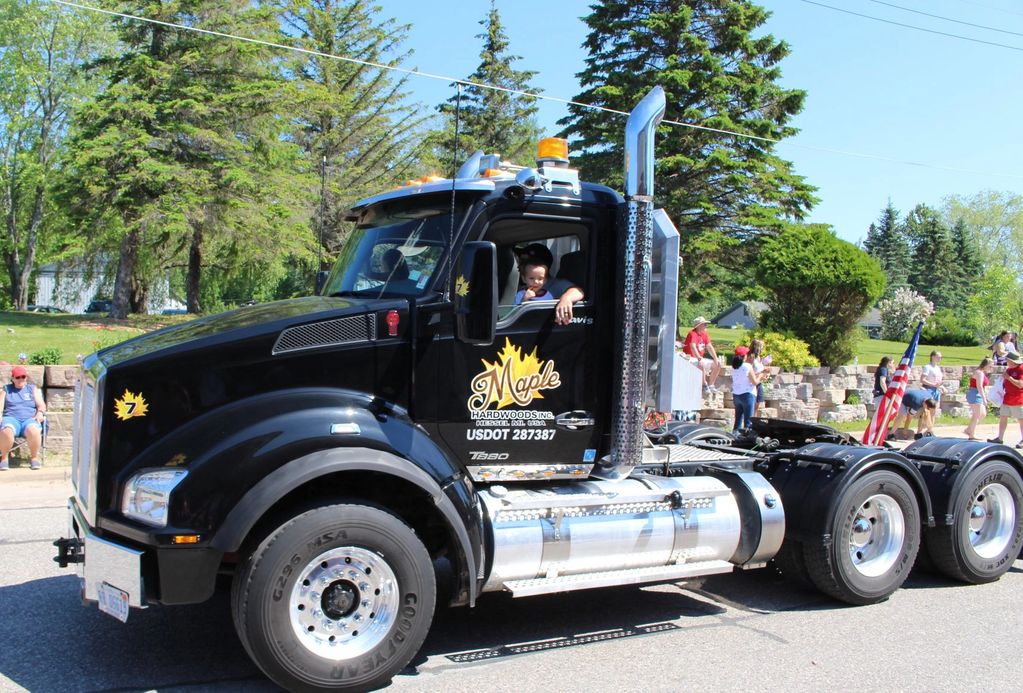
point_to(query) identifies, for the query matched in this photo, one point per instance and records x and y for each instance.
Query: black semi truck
(328, 453)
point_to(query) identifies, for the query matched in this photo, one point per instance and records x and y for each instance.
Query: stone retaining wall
(816, 394)
(821, 394)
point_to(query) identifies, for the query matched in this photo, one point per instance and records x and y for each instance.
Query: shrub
(50, 356)
(819, 287)
(901, 312)
(787, 353)
(853, 398)
(945, 329)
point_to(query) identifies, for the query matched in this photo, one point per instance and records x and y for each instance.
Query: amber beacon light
(553, 149)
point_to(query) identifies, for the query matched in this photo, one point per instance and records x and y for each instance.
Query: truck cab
(326, 453)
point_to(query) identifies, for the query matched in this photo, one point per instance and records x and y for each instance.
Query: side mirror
(475, 293)
(321, 279)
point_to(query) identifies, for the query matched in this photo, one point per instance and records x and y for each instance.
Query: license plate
(113, 601)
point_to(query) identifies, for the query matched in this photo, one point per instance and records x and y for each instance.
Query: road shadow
(53, 643)
(501, 626)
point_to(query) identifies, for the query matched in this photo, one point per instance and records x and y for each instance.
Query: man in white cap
(700, 350)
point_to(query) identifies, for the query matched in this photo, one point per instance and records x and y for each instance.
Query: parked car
(99, 306)
(32, 308)
(174, 311)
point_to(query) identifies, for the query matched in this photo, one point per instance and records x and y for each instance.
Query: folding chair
(22, 449)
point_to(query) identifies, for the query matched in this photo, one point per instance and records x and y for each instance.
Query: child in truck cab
(534, 276)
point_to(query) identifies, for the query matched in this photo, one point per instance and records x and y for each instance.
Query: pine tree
(182, 145)
(969, 264)
(351, 120)
(886, 242)
(934, 269)
(723, 189)
(497, 122)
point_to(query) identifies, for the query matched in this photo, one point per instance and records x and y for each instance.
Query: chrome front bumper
(99, 561)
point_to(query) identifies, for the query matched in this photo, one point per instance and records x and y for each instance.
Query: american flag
(892, 400)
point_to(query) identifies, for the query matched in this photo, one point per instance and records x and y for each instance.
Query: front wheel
(339, 598)
(986, 531)
(875, 536)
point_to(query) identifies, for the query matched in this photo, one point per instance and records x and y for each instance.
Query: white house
(71, 286)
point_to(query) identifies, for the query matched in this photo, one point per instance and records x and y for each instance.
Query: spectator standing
(698, 347)
(760, 363)
(1009, 340)
(23, 414)
(882, 376)
(932, 376)
(976, 395)
(998, 353)
(1012, 402)
(744, 388)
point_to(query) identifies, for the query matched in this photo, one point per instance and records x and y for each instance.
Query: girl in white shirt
(744, 388)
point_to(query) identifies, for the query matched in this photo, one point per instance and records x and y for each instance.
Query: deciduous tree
(42, 50)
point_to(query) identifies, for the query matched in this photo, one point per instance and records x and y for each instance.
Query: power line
(911, 26)
(945, 19)
(544, 97)
(991, 7)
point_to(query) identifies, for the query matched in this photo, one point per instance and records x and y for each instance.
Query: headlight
(147, 495)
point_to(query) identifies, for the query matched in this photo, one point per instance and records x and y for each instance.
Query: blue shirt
(20, 403)
(914, 399)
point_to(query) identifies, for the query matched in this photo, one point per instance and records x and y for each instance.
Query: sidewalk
(21, 487)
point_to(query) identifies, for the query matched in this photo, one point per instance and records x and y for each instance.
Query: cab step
(610, 578)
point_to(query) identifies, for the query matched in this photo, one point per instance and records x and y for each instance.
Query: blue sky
(872, 88)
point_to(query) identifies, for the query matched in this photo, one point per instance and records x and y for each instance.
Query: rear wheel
(986, 532)
(339, 598)
(875, 536)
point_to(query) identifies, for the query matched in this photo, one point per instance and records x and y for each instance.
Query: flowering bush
(787, 353)
(901, 312)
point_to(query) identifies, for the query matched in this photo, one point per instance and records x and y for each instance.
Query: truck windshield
(395, 250)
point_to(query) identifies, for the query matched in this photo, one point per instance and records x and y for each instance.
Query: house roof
(872, 318)
(752, 308)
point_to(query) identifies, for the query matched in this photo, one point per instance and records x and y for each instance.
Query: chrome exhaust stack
(633, 311)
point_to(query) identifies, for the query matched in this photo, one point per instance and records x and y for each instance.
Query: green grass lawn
(71, 334)
(83, 334)
(870, 351)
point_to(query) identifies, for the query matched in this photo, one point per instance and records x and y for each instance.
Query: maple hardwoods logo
(513, 378)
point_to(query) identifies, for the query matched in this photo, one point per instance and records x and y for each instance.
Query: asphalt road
(744, 631)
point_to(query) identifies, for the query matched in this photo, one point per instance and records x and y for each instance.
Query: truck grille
(358, 328)
(85, 442)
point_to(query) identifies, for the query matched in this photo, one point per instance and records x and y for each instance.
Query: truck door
(529, 405)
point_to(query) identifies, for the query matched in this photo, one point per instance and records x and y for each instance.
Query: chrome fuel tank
(601, 527)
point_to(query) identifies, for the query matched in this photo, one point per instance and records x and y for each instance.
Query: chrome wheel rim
(992, 519)
(343, 603)
(877, 536)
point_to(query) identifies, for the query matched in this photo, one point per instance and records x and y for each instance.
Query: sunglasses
(20, 377)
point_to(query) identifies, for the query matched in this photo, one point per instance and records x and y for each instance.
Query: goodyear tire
(986, 531)
(338, 598)
(875, 536)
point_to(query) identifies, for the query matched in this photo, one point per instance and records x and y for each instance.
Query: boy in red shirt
(1012, 402)
(698, 348)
